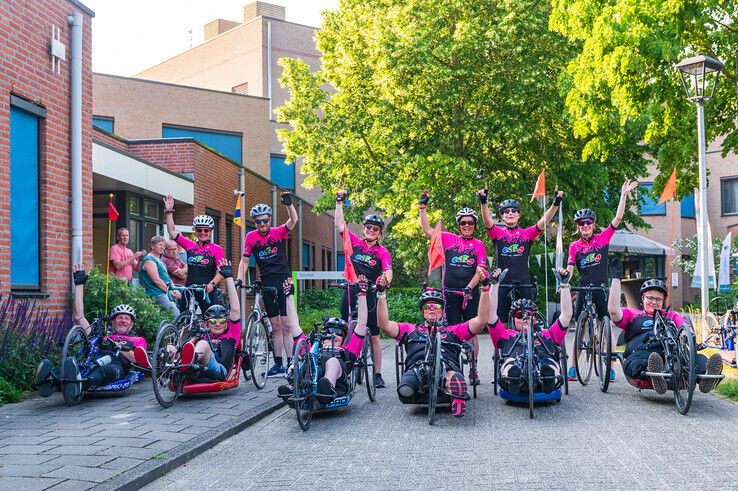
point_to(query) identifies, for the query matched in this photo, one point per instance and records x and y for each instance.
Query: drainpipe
(300, 255)
(335, 249)
(75, 122)
(275, 219)
(242, 185)
(269, 67)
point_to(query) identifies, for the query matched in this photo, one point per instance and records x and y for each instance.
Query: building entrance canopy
(632, 243)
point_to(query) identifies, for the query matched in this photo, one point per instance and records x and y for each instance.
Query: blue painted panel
(688, 206)
(252, 259)
(306, 256)
(24, 200)
(649, 205)
(281, 174)
(228, 144)
(103, 124)
(341, 261)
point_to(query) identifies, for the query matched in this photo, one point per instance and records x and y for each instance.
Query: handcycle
(306, 370)
(258, 340)
(587, 337)
(723, 335)
(85, 349)
(679, 352)
(432, 370)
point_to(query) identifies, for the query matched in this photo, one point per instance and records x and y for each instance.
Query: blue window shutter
(106, 124)
(24, 200)
(305, 256)
(341, 261)
(281, 174)
(228, 144)
(687, 206)
(252, 259)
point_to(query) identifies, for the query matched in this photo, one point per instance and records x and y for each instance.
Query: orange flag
(540, 190)
(436, 255)
(669, 191)
(348, 267)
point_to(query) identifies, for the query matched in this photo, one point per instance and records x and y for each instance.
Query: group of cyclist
(469, 300)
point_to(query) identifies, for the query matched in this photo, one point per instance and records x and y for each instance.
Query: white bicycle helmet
(261, 209)
(466, 212)
(123, 309)
(203, 221)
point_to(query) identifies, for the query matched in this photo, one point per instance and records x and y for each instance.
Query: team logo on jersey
(199, 259)
(590, 258)
(267, 252)
(363, 258)
(513, 249)
(648, 323)
(462, 260)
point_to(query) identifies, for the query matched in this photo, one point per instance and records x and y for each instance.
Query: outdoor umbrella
(631, 243)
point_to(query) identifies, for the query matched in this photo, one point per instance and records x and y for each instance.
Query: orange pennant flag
(540, 190)
(436, 255)
(669, 191)
(348, 267)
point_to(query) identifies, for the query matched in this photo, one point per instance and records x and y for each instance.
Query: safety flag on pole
(436, 255)
(348, 267)
(540, 190)
(669, 191)
(237, 214)
(560, 240)
(112, 212)
(112, 216)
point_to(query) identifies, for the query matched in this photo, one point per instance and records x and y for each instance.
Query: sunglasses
(217, 321)
(466, 223)
(262, 220)
(651, 299)
(201, 230)
(432, 306)
(335, 331)
(372, 228)
(509, 210)
(582, 223)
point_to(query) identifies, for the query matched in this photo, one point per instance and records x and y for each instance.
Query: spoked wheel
(583, 351)
(399, 362)
(473, 369)
(529, 366)
(434, 379)
(603, 346)
(257, 350)
(366, 353)
(496, 369)
(77, 345)
(683, 375)
(303, 374)
(166, 378)
(564, 363)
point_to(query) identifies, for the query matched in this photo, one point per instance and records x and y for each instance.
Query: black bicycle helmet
(123, 309)
(466, 212)
(508, 203)
(336, 323)
(216, 312)
(584, 213)
(431, 295)
(374, 220)
(521, 305)
(654, 284)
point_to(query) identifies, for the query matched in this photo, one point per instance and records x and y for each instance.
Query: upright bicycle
(258, 340)
(587, 338)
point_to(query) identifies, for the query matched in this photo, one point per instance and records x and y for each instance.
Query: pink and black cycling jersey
(498, 332)
(590, 257)
(129, 342)
(636, 324)
(270, 251)
(512, 246)
(462, 258)
(202, 260)
(369, 261)
(224, 346)
(348, 353)
(415, 335)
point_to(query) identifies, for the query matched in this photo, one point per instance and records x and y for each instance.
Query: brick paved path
(113, 439)
(622, 439)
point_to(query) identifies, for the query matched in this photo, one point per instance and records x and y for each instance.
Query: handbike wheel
(529, 364)
(496, 369)
(603, 344)
(258, 353)
(473, 369)
(434, 379)
(684, 376)
(563, 362)
(77, 345)
(303, 375)
(399, 362)
(368, 368)
(166, 378)
(583, 348)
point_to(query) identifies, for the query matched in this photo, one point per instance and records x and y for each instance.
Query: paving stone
(27, 483)
(76, 440)
(92, 474)
(24, 449)
(22, 459)
(72, 485)
(77, 450)
(81, 460)
(134, 452)
(29, 470)
(122, 463)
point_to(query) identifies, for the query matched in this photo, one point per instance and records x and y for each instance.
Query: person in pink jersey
(463, 254)
(123, 260)
(269, 246)
(512, 245)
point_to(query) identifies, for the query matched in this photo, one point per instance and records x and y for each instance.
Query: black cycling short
(371, 305)
(636, 362)
(342, 384)
(503, 302)
(101, 376)
(599, 299)
(214, 297)
(454, 313)
(275, 305)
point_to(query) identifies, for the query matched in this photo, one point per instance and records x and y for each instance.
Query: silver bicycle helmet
(583, 214)
(522, 305)
(431, 295)
(261, 209)
(508, 203)
(466, 212)
(203, 221)
(654, 284)
(123, 309)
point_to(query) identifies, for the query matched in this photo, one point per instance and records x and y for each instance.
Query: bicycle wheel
(496, 369)
(603, 344)
(258, 352)
(434, 379)
(78, 346)
(683, 370)
(563, 362)
(368, 368)
(529, 366)
(166, 378)
(473, 369)
(303, 374)
(583, 348)
(399, 362)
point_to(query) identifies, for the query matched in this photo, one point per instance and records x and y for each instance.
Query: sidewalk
(119, 441)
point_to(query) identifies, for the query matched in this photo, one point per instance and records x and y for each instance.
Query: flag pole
(545, 257)
(107, 269)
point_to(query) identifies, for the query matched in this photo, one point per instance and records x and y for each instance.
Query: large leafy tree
(623, 89)
(446, 95)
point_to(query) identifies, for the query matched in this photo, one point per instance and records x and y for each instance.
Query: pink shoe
(457, 387)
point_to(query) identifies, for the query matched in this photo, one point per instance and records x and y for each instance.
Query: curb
(153, 469)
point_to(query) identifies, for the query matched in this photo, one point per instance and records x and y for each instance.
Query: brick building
(36, 126)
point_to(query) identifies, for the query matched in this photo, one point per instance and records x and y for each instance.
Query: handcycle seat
(120, 385)
(538, 397)
(204, 384)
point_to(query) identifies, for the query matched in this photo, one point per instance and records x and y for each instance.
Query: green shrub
(148, 313)
(9, 393)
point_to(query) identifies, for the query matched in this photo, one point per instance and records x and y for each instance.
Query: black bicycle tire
(178, 381)
(604, 357)
(564, 366)
(257, 378)
(529, 363)
(73, 333)
(683, 408)
(399, 362)
(473, 370)
(367, 352)
(496, 370)
(302, 381)
(434, 379)
(584, 325)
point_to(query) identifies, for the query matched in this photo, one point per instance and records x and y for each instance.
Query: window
(305, 256)
(104, 123)
(25, 267)
(216, 230)
(280, 173)
(227, 143)
(340, 258)
(729, 193)
(229, 237)
(648, 204)
(146, 220)
(687, 206)
(242, 89)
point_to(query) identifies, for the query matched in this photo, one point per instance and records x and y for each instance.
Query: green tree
(440, 94)
(623, 91)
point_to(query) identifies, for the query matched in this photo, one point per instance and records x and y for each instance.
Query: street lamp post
(700, 77)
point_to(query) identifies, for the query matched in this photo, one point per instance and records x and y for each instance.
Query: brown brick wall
(25, 70)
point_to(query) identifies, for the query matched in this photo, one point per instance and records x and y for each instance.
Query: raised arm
(226, 271)
(497, 277)
(628, 187)
(548, 215)
(78, 309)
(338, 214)
(169, 212)
(424, 223)
(390, 328)
(286, 198)
(567, 311)
(486, 214)
(613, 301)
(478, 323)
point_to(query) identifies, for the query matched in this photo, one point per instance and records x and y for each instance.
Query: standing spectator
(176, 267)
(123, 260)
(154, 277)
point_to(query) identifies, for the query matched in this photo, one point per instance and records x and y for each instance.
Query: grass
(728, 388)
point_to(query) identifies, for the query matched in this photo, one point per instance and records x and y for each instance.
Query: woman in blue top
(154, 277)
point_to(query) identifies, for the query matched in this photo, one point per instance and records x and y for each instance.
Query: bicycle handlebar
(590, 288)
(519, 285)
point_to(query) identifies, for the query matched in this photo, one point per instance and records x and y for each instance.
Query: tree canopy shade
(622, 82)
(446, 95)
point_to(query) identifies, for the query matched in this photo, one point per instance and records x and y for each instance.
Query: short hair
(171, 243)
(156, 239)
(117, 232)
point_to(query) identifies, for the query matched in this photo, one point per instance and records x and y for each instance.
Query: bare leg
(202, 350)
(287, 333)
(277, 335)
(377, 354)
(332, 371)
